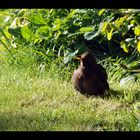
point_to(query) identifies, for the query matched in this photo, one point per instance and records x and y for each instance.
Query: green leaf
(101, 12)
(109, 35)
(72, 13)
(138, 46)
(38, 19)
(119, 22)
(81, 48)
(65, 32)
(133, 22)
(15, 31)
(91, 35)
(26, 33)
(73, 34)
(57, 24)
(57, 35)
(137, 31)
(104, 26)
(69, 56)
(131, 41)
(86, 29)
(109, 31)
(124, 46)
(41, 54)
(43, 29)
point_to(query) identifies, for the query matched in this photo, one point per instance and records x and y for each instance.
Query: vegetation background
(37, 47)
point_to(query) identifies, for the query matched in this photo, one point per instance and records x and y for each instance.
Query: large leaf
(138, 46)
(137, 31)
(91, 35)
(43, 32)
(38, 19)
(26, 33)
(43, 29)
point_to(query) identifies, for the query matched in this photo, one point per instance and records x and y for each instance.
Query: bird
(90, 78)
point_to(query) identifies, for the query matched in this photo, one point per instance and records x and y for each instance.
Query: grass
(37, 99)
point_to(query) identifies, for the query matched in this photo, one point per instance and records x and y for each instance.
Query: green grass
(39, 99)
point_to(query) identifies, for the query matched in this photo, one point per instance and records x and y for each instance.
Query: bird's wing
(102, 75)
(101, 72)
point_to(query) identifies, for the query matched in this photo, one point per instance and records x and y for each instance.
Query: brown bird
(90, 78)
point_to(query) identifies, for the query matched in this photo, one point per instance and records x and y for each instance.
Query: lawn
(31, 99)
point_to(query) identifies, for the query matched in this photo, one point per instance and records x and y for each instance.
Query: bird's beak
(78, 58)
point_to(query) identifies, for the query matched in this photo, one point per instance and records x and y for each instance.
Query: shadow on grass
(136, 96)
(11, 122)
(130, 96)
(114, 94)
(127, 96)
(63, 120)
(14, 122)
(107, 95)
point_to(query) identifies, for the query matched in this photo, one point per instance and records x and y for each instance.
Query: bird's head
(87, 59)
